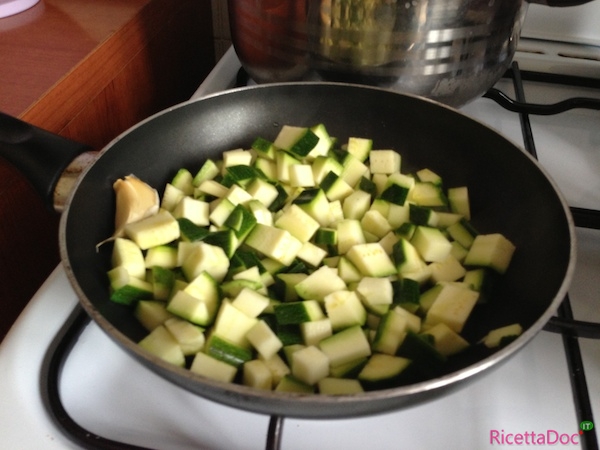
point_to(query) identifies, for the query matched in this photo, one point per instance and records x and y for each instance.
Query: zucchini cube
(491, 250)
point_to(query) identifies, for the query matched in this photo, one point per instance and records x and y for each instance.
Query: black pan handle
(560, 3)
(40, 155)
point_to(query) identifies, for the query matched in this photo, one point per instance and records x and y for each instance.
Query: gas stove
(99, 397)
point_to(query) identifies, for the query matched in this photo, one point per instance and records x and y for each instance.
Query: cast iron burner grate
(563, 323)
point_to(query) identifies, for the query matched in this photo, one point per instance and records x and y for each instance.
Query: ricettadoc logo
(547, 437)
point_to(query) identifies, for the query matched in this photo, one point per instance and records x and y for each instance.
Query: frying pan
(509, 192)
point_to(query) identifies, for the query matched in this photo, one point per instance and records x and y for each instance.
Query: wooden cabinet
(86, 70)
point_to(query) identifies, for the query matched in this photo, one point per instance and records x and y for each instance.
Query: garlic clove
(135, 200)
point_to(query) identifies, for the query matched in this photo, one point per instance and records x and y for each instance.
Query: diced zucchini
(349, 234)
(348, 271)
(384, 161)
(236, 157)
(275, 243)
(171, 197)
(423, 215)
(328, 255)
(294, 313)
(151, 313)
(462, 232)
(291, 384)
(163, 281)
(213, 368)
(375, 291)
(498, 336)
(241, 221)
(310, 365)
(359, 147)
(353, 170)
(334, 187)
(312, 254)
(233, 325)
(413, 321)
(152, 231)
(350, 369)
(162, 344)
(397, 188)
(481, 280)
(250, 302)
(384, 371)
(375, 223)
(390, 333)
(208, 258)
(257, 375)
(356, 204)
(315, 203)
(198, 302)
(208, 171)
(212, 188)
(451, 306)
(446, 341)
(126, 289)
(279, 369)
(164, 256)
(339, 386)
(297, 140)
(406, 294)
(197, 211)
(323, 165)
(227, 241)
(431, 243)
(429, 176)
(315, 331)
(298, 223)
(189, 231)
(319, 284)
(128, 255)
(426, 359)
(301, 175)
(190, 337)
(458, 198)
(264, 339)
(371, 259)
(346, 346)
(344, 309)
(241, 174)
(263, 191)
(226, 351)
(264, 148)
(427, 298)
(449, 269)
(428, 194)
(325, 142)
(491, 250)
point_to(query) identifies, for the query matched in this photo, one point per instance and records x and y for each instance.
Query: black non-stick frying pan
(510, 193)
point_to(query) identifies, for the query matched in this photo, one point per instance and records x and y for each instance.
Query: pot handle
(560, 3)
(40, 155)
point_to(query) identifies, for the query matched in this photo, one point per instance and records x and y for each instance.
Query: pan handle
(560, 3)
(40, 155)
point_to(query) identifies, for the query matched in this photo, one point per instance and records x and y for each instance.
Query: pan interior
(508, 191)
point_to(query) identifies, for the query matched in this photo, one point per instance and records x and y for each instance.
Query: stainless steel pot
(447, 50)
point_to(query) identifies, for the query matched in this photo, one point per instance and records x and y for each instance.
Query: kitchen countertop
(36, 56)
(86, 70)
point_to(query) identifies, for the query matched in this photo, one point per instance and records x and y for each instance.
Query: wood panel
(154, 55)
